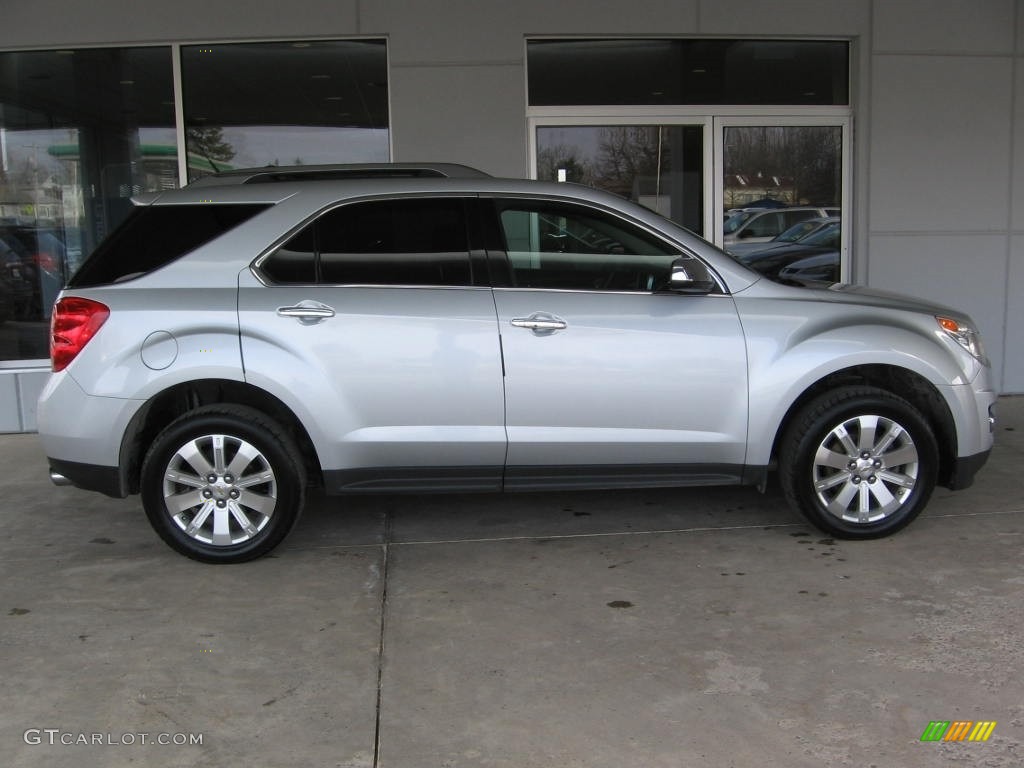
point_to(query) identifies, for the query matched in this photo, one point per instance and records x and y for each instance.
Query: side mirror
(685, 277)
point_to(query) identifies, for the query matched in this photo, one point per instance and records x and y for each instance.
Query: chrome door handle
(540, 323)
(307, 311)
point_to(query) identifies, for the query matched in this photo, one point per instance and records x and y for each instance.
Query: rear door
(608, 375)
(376, 326)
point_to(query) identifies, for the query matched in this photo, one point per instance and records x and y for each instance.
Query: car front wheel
(223, 484)
(859, 462)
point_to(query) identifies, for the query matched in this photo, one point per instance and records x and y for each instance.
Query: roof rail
(271, 174)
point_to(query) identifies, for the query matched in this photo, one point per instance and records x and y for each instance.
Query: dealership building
(906, 117)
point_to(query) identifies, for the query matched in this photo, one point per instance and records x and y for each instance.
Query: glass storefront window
(791, 165)
(84, 130)
(81, 131)
(284, 103)
(658, 166)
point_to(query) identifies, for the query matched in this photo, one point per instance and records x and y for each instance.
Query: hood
(860, 294)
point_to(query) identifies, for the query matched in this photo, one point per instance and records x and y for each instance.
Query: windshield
(798, 231)
(827, 237)
(735, 220)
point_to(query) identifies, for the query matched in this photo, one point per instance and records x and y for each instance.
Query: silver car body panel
(397, 377)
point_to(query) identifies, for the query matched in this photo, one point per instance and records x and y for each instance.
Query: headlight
(964, 335)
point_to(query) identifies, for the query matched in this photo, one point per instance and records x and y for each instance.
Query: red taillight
(74, 322)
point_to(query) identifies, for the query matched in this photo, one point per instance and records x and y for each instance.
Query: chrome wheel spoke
(881, 493)
(828, 458)
(264, 505)
(201, 516)
(191, 454)
(181, 478)
(905, 454)
(895, 478)
(868, 425)
(245, 456)
(221, 527)
(259, 478)
(241, 518)
(182, 501)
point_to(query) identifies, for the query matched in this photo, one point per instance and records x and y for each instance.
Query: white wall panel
(472, 115)
(493, 30)
(940, 140)
(1017, 193)
(947, 26)
(785, 17)
(1013, 377)
(966, 272)
(41, 23)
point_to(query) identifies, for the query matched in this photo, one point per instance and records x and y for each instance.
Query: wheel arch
(911, 386)
(175, 401)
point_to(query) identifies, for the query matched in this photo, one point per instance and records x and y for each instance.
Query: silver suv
(407, 328)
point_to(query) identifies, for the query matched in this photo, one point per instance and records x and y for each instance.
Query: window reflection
(257, 104)
(658, 166)
(81, 131)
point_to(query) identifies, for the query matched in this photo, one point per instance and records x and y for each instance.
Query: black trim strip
(570, 477)
(92, 477)
(413, 480)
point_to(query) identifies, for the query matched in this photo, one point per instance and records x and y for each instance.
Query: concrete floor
(654, 628)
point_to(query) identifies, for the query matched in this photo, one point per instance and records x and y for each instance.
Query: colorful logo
(958, 730)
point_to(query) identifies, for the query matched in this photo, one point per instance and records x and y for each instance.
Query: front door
(606, 374)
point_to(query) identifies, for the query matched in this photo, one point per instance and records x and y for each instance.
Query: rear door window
(409, 241)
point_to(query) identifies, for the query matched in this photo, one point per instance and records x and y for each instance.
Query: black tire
(215, 516)
(869, 485)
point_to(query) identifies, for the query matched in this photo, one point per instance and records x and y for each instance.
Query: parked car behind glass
(757, 225)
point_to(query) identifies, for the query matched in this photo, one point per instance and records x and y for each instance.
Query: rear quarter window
(155, 235)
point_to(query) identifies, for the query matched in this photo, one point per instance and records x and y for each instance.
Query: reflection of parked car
(794, 234)
(17, 275)
(6, 299)
(753, 225)
(769, 262)
(469, 334)
(813, 271)
(43, 258)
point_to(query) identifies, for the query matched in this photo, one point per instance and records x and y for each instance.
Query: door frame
(714, 120)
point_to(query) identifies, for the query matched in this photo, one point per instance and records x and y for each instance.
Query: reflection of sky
(585, 139)
(254, 145)
(288, 145)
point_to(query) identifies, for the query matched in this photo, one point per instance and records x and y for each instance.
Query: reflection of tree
(209, 142)
(552, 159)
(808, 156)
(627, 153)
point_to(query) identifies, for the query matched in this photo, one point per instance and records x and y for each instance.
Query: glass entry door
(661, 167)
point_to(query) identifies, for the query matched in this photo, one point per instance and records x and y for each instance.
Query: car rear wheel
(223, 484)
(859, 462)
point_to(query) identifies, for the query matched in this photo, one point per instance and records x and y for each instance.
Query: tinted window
(155, 235)
(384, 242)
(295, 261)
(554, 245)
(637, 71)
